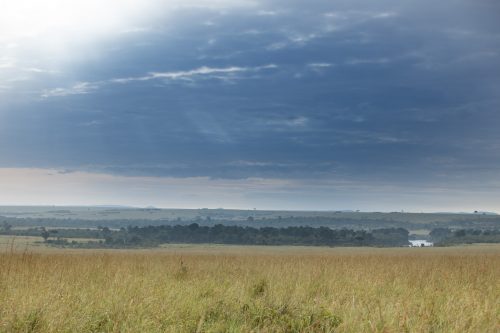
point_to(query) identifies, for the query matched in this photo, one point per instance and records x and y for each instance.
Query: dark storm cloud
(387, 90)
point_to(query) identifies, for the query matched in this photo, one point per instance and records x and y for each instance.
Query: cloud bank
(398, 94)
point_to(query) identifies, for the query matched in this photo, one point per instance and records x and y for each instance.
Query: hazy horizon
(104, 206)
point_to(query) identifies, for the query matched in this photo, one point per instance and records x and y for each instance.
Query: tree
(105, 231)
(439, 234)
(6, 226)
(45, 234)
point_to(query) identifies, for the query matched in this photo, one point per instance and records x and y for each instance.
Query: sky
(382, 105)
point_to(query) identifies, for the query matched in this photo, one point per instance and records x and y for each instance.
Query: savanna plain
(210, 288)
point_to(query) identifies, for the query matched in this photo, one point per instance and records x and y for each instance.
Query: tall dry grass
(251, 290)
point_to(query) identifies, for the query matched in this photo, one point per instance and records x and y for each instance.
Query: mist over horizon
(242, 209)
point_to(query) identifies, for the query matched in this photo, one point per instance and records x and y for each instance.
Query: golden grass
(20, 243)
(251, 289)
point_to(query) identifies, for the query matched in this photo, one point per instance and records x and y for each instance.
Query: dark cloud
(362, 90)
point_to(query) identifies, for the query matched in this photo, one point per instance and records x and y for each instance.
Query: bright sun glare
(47, 19)
(43, 36)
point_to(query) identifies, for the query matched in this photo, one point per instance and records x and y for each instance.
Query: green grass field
(213, 288)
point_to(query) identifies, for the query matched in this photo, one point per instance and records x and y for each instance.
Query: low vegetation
(152, 236)
(220, 234)
(251, 289)
(446, 237)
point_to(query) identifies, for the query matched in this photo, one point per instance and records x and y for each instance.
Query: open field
(210, 288)
(20, 243)
(29, 243)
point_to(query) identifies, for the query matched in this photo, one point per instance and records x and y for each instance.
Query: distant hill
(117, 216)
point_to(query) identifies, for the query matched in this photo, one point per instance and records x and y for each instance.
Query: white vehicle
(420, 243)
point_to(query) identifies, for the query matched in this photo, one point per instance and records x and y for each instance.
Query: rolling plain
(214, 288)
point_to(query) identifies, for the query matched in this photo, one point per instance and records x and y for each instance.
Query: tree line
(221, 234)
(150, 236)
(446, 236)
